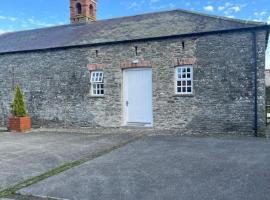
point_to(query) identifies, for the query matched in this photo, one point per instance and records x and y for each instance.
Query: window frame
(78, 8)
(97, 83)
(91, 10)
(176, 79)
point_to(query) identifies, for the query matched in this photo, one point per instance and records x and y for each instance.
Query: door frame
(124, 109)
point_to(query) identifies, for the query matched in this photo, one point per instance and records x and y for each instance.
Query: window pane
(179, 90)
(189, 89)
(188, 75)
(188, 69)
(92, 77)
(184, 75)
(184, 83)
(188, 83)
(178, 83)
(97, 77)
(184, 89)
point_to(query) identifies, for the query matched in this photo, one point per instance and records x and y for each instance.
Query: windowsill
(183, 95)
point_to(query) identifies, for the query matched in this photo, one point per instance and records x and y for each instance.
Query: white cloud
(256, 20)
(8, 18)
(171, 5)
(260, 13)
(228, 4)
(235, 8)
(161, 6)
(209, 8)
(2, 31)
(220, 8)
(38, 23)
(229, 8)
(133, 5)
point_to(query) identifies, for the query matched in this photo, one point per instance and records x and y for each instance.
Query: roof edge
(242, 21)
(197, 34)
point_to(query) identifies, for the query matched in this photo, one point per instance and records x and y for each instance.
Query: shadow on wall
(3, 114)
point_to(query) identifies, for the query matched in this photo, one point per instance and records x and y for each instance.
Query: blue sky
(28, 14)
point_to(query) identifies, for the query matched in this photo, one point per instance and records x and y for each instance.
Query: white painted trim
(98, 79)
(183, 79)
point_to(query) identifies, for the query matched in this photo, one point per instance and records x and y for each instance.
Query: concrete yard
(163, 168)
(23, 156)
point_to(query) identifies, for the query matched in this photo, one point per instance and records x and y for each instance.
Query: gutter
(197, 34)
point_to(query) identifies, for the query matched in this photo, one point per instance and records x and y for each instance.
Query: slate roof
(175, 22)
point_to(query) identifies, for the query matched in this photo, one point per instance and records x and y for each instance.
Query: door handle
(126, 103)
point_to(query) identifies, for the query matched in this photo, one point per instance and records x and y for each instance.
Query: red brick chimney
(83, 11)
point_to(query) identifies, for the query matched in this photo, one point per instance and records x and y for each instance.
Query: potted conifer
(20, 121)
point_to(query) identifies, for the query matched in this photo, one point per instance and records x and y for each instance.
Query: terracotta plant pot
(19, 124)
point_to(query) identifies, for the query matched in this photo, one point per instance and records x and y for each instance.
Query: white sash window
(97, 84)
(184, 80)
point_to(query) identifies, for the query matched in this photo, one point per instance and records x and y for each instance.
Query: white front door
(137, 96)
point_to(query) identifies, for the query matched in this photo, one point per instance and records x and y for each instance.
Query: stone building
(267, 78)
(178, 70)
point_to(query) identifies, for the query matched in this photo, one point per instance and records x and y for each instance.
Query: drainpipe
(255, 70)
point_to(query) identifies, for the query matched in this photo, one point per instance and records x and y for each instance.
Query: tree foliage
(18, 108)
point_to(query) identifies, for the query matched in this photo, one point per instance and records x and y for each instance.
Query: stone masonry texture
(56, 84)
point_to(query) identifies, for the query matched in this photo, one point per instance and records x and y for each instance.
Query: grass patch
(26, 183)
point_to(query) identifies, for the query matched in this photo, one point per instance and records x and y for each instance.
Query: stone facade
(56, 84)
(267, 78)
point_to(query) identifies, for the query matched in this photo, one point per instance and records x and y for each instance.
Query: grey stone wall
(261, 50)
(57, 84)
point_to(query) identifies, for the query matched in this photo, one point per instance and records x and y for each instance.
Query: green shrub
(18, 106)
